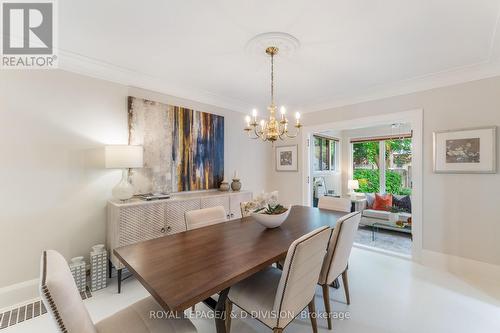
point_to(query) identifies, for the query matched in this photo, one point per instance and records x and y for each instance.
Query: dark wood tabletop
(184, 269)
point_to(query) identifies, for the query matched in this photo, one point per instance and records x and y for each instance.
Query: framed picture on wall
(470, 150)
(286, 158)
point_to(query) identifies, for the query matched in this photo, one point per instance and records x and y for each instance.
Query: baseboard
(382, 251)
(18, 293)
(467, 268)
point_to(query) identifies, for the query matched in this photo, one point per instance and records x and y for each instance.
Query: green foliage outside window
(368, 154)
(369, 182)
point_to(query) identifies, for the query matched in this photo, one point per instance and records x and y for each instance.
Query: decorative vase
(224, 186)
(77, 268)
(98, 267)
(236, 185)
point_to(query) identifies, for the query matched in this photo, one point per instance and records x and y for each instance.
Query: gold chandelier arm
(291, 136)
(259, 134)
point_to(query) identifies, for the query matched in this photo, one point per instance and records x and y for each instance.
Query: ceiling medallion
(271, 129)
(286, 43)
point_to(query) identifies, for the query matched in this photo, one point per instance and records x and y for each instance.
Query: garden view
(366, 158)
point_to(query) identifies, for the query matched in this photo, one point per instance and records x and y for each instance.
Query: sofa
(371, 216)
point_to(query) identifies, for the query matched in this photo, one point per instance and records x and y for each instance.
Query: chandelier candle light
(271, 129)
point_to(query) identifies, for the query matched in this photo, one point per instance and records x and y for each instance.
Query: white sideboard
(136, 220)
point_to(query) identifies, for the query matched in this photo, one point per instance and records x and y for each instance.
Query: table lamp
(123, 157)
(352, 185)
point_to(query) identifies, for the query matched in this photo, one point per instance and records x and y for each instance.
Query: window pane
(325, 152)
(332, 155)
(365, 166)
(398, 166)
(317, 154)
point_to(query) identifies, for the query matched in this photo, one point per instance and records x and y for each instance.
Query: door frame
(415, 119)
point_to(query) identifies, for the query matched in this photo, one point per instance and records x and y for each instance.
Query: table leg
(220, 313)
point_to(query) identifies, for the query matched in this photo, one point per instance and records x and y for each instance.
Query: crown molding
(83, 65)
(442, 79)
(79, 64)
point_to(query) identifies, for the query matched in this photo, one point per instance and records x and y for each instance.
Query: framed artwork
(470, 150)
(183, 148)
(286, 158)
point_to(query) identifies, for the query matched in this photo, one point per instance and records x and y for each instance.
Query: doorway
(381, 154)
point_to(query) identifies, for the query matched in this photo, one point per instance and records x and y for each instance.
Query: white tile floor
(387, 294)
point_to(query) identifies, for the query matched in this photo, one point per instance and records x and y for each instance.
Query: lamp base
(123, 190)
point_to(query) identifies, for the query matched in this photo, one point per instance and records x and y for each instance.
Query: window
(366, 166)
(324, 153)
(383, 165)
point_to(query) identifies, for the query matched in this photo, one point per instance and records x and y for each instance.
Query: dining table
(187, 268)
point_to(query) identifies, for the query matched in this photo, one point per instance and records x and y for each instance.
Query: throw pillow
(382, 202)
(402, 202)
(370, 199)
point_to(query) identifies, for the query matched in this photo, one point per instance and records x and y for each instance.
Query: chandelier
(271, 129)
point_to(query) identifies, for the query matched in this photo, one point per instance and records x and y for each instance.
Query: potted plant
(271, 216)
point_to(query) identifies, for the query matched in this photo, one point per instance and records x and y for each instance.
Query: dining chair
(64, 303)
(276, 297)
(337, 257)
(204, 217)
(332, 203)
(247, 208)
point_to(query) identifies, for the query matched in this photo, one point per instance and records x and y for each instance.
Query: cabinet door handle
(162, 230)
(232, 214)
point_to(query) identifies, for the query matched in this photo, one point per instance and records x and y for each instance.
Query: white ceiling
(351, 50)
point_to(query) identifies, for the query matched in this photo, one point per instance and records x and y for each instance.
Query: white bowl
(271, 221)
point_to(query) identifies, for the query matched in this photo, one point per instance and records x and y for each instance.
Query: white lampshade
(123, 156)
(353, 184)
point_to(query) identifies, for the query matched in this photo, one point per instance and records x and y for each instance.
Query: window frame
(332, 163)
(382, 167)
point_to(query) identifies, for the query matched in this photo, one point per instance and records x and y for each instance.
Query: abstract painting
(183, 148)
(465, 151)
(286, 158)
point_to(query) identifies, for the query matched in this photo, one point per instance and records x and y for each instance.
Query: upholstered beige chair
(63, 301)
(332, 203)
(204, 217)
(276, 297)
(247, 207)
(337, 257)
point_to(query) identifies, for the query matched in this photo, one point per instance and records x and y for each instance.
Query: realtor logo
(28, 34)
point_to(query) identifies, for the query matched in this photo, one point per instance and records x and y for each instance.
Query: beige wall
(461, 212)
(49, 197)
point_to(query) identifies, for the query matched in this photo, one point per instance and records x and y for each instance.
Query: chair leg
(346, 286)
(326, 300)
(229, 310)
(312, 314)
(277, 330)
